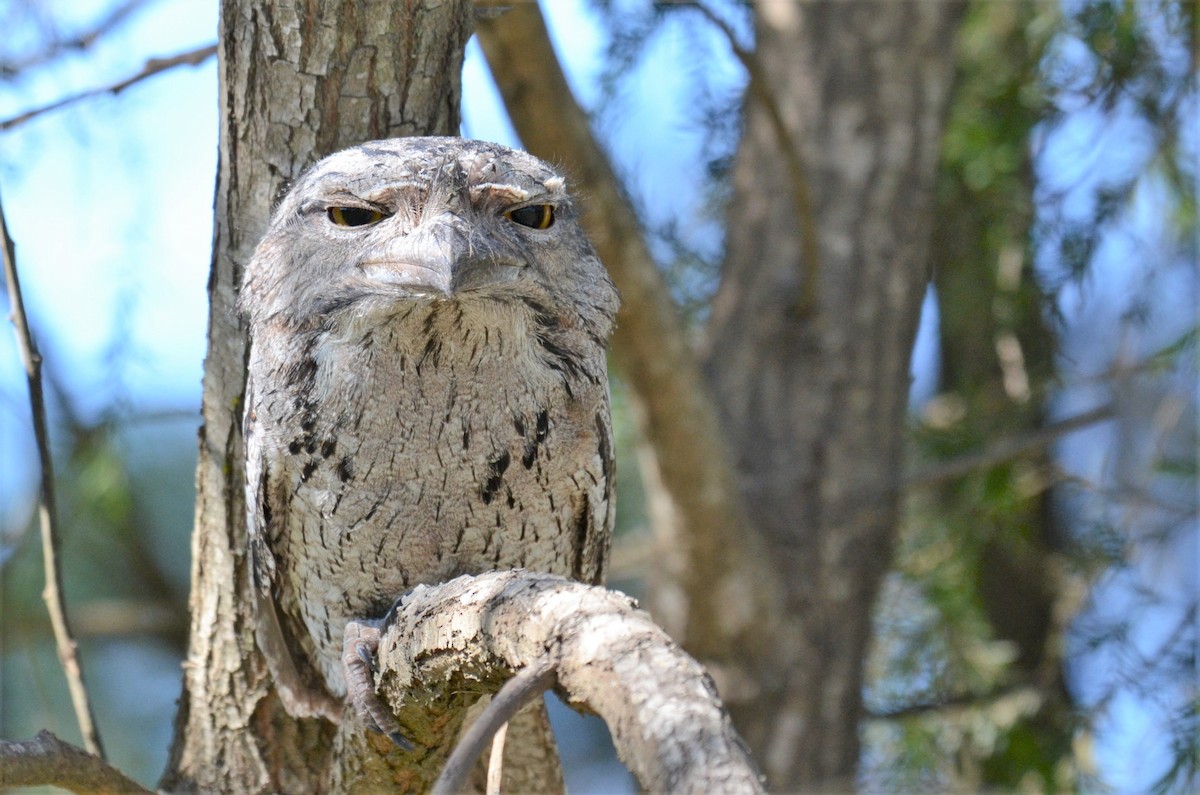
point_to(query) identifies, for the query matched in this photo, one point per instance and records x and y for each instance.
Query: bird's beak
(410, 274)
(437, 259)
(418, 261)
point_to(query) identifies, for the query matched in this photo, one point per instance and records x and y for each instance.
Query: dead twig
(151, 68)
(68, 652)
(80, 41)
(515, 694)
(495, 772)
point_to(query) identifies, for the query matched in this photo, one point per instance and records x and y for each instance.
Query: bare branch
(68, 652)
(667, 722)
(48, 760)
(760, 89)
(80, 41)
(958, 702)
(495, 772)
(151, 68)
(1006, 449)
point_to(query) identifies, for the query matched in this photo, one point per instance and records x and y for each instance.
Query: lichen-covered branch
(667, 723)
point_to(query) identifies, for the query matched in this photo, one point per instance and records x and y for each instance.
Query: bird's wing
(600, 503)
(300, 697)
(262, 560)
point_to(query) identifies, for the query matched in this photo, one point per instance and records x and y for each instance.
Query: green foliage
(991, 565)
(1184, 772)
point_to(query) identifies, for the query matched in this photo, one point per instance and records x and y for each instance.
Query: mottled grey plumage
(427, 391)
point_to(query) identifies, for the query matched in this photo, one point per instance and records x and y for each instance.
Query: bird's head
(425, 220)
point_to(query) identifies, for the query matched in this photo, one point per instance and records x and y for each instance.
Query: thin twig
(68, 652)
(516, 693)
(495, 773)
(80, 41)
(1144, 665)
(759, 87)
(149, 69)
(952, 702)
(1006, 449)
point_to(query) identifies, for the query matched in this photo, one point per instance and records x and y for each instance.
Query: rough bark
(809, 360)
(297, 81)
(460, 638)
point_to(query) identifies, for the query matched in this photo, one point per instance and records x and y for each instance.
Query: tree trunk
(297, 81)
(809, 360)
(997, 361)
(718, 584)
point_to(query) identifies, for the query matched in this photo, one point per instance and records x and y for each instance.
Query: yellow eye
(535, 216)
(354, 216)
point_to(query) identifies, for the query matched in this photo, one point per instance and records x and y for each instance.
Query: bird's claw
(367, 654)
(359, 646)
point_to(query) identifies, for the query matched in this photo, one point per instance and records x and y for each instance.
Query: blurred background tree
(1037, 627)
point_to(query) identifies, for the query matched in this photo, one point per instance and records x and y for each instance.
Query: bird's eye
(354, 216)
(535, 216)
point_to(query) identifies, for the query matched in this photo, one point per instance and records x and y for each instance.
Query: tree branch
(151, 68)
(516, 693)
(80, 41)
(1006, 449)
(68, 652)
(961, 701)
(789, 147)
(667, 722)
(48, 760)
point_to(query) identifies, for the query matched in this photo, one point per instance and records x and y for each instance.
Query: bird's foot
(360, 644)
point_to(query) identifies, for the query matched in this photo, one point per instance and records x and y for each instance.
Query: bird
(426, 396)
